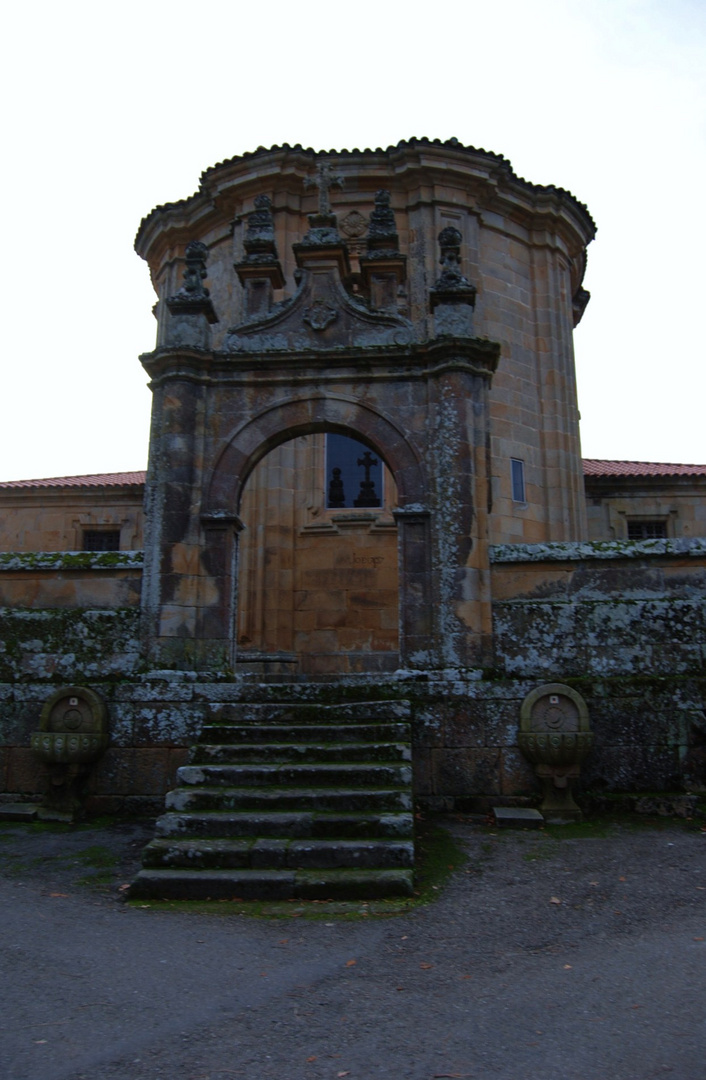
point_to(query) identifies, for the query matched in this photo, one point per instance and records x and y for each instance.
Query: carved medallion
(353, 224)
(320, 315)
(555, 712)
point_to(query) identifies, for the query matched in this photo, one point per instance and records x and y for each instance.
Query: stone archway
(286, 418)
(329, 640)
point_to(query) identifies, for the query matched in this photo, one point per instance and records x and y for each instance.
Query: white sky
(112, 109)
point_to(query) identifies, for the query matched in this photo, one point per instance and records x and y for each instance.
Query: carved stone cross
(368, 495)
(324, 180)
(367, 461)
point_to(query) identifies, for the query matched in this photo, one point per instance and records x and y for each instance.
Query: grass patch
(544, 848)
(97, 856)
(437, 857)
(15, 866)
(102, 879)
(594, 828)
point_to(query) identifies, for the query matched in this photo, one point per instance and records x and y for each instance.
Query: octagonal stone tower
(419, 300)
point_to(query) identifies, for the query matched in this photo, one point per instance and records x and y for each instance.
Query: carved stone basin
(555, 748)
(67, 747)
(555, 736)
(73, 733)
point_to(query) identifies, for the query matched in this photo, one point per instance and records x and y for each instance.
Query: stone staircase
(289, 801)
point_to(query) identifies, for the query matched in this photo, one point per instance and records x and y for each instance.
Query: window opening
(518, 480)
(647, 530)
(101, 539)
(353, 474)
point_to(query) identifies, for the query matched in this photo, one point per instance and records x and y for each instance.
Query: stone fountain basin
(555, 748)
(68, 747)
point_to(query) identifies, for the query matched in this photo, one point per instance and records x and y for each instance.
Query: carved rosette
(319, 315)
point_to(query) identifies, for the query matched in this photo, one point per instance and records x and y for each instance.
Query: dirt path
(574, 956)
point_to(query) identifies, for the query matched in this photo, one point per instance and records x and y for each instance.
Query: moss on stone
(68, 644)
(70, 560)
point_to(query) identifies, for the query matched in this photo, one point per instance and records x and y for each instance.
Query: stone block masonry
(623, 624)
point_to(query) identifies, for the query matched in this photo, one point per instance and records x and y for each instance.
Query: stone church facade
(365, 481)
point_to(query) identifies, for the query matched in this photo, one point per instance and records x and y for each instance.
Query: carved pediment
(321, 315)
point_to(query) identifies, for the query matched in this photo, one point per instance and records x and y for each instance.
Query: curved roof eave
(502, 164)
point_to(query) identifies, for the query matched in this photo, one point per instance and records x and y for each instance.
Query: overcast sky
(112, 109)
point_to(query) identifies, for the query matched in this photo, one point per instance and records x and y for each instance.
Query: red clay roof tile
(123, 479)
(601, 467)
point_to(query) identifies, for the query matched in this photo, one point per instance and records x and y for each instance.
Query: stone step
(295, 823)
(281, 747)
(277, 853)
(290, 798)
(328, 884)
(283, 801)
(292, 775)
(262, 734)
(310, 713)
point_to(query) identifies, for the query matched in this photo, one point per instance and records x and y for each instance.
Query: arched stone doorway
(403, 585)
(317, 585)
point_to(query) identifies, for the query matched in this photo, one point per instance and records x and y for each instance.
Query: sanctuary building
(365, 490)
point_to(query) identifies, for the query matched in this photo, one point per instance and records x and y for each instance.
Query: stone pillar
(215, 630)
(415, 588)
(172, 550)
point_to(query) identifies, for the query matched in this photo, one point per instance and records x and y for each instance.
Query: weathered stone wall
(650, 734)
(624, 624)
(604, 609)
(70, 579)
(68, 645)
(151, 724)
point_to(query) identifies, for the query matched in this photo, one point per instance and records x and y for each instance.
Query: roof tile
(601, 467)
(123, 479)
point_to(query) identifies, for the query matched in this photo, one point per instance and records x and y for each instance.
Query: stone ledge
(71, 560)
(583, 551)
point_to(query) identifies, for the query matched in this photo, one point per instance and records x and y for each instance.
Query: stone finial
(382, 230)
(383, 267)
(259, 241)
(451, 276)
(453, 297)
(192, 304)
(336, 493)
(195, 272)
(260, 271)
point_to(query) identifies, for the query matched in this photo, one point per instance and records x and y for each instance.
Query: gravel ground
(574, 955)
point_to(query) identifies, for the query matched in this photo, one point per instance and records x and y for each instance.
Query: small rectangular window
(647, 530)
(101, 539)
(518, 480)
